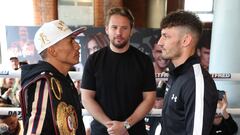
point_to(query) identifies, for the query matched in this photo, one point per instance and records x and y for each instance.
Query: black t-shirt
(119, 80)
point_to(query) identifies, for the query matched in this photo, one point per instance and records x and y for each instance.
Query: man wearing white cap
(49, 100)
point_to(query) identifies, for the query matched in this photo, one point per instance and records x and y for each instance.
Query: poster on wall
(96, 38)
(19, 41)
(144, 39)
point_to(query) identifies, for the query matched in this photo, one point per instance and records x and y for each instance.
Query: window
(203, 8)
(76, 12)
(16, 12)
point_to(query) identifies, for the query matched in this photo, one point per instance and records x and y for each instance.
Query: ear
(187, 39)
(51, 50)
(106, 29)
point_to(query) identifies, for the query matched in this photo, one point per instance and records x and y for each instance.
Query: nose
(77, 46)
(160, 42)
(118, 31)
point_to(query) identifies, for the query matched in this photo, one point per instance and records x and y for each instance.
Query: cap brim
(76, 32)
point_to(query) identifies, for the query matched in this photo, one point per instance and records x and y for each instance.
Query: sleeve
(210, 103)
(88, 78)
(37, 104)
(231, 125)
(149, 79)
(199, 104)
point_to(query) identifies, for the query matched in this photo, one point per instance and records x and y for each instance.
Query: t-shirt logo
(174, 98)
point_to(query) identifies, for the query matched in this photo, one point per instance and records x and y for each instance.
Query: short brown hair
(13, 58)
(123, 11)
(185, 19)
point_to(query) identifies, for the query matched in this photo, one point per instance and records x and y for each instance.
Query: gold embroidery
(61, 26)
(67, 119)
(44, 39)
(57, 93)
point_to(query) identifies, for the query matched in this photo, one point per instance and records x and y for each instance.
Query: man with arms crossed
(118, 83)
(191, 96)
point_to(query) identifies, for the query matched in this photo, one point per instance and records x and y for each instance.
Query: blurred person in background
(92, 45)
(203, 49)
(9, 124)
(14, 61)
(223, 123)
(159, 63)
(153, 123)
(96, 42)
(13, 125)
(9, 92)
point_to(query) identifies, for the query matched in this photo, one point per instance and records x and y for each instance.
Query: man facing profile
(191, 95)
(49, 100)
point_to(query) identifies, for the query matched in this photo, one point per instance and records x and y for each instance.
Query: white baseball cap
(52, 32)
